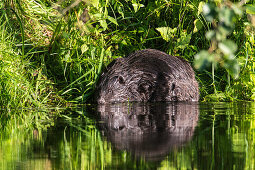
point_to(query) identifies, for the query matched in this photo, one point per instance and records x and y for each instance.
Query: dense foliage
(51, 49)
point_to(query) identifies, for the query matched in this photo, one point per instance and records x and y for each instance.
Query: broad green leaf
(253, 94)
(228, 47)
(67, 57)
(65, 35)
(250, 9)
(218, 1)
(232, 66)
(98, 15)
(103, 24)
(210, 34)
(124, 42)
(113, 20)
(191, 7)
(137, 6)
(120, 10)
(200, 7)
(108, 52)
(84, 48)
(223, 31)
(183, 41)
(203, 59)
(167, 33)
(95, 3)
(209, 11)
(226, 16)
(237, 9)
(197, 25)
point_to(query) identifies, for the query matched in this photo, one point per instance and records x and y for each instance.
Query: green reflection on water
(223, 139)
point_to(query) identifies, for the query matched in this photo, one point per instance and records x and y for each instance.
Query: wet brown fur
(147, 75)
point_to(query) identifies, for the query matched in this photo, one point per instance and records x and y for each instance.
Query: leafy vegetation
(223, 16)
(60, 48)
(22, 80)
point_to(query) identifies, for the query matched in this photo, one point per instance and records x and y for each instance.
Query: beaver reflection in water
(148, 76)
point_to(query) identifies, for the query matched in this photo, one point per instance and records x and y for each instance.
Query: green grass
(55, 50)
(22, 82)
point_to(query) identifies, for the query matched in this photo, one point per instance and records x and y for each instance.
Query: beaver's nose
(101, 100)
(144, 88)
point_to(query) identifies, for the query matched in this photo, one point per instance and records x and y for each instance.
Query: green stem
(213, 65)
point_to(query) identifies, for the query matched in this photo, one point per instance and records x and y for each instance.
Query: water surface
(131, 136)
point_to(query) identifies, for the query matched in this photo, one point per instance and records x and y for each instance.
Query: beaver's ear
(118, 62)
(121, 80)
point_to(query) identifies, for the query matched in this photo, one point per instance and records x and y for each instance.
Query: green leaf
(95, 3)
(197, 25)
(120, 10)
(113, 20)
(210, 34)
(84, 48)
(67, 57)
(203, 59)
(232, 67)
(223, 31)
(226, 16)
(218, 1)
(167, 33)
(209, 11)
(237, 9)
(98, 15)
(228, 47)
(183, 41)
(200, 7)
(108, 52)
(191, 7)
(137, 6)
(103, 24)
(250, 9)
(65, 35)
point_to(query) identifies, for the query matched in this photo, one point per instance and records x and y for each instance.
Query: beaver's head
(122, 83)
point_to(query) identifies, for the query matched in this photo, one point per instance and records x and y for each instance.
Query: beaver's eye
(121, 80)
(173, 87)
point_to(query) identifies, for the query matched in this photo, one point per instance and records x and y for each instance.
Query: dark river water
(130, 136)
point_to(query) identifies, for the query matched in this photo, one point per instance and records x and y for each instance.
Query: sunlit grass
(20, 85)
(70, 42)
(22, 81)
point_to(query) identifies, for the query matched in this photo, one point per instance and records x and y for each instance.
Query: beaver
(147, 76)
